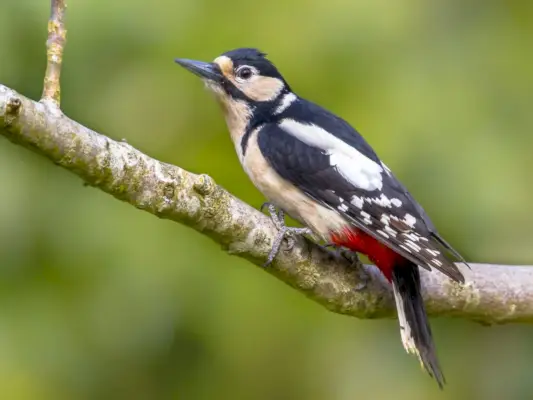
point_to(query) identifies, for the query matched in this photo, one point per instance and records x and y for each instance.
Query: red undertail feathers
(404, 276)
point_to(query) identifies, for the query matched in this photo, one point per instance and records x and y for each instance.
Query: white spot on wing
(286, 101)
(412, 245)
(410, 220)
(366, 218)
(396, 202)
(407, 249)
(434, 253)
(357, 201)
(412, 237)
(343, 207)
(390, 231)
(354, 166)
(382, 233)
(436, 262)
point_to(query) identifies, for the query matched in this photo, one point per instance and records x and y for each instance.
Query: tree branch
(54, 52)
(492, 293)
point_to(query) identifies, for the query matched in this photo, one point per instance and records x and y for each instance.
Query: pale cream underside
(282, 193)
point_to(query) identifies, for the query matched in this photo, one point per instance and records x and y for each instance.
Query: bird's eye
(244, 73)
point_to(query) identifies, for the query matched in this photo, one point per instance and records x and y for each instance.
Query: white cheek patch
(354, 166)
(261, 88)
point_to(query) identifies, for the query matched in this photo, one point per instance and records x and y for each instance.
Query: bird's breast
(286, 196)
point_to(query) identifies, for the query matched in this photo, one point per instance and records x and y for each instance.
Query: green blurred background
(100, 300)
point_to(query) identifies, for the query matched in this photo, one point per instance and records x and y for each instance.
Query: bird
(318, 169)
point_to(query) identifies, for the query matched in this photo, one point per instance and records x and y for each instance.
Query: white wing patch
(361, 174)
(354, 166)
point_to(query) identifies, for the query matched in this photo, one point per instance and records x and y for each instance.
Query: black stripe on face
(232, 91)
(262, 113)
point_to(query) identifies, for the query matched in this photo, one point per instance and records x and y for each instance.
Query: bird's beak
(204, 70)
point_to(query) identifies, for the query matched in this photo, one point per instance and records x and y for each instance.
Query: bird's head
(243, 75)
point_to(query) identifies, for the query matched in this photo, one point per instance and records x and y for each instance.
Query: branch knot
(13, 106)
(204, 185)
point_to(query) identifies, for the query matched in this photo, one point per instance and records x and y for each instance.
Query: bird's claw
(340, 252)
(284, 232)
(287, 233)
(277, 217)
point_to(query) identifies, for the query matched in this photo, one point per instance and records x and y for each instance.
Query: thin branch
(54, 52)
(492, 294)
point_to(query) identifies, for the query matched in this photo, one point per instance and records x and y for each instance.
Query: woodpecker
(315, 167)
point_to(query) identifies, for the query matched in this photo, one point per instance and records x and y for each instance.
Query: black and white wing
(338, 175)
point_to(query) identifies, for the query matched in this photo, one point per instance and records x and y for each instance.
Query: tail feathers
(414, 325)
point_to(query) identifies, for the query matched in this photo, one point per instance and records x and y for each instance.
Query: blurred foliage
(100, 300)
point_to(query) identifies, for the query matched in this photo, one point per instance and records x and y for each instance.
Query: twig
(54, 52)
(492, 294)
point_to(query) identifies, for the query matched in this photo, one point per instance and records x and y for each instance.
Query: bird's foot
(342, 252)
(284, 232)
(351, 256)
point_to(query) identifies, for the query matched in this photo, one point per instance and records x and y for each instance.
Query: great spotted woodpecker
(318, 169)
